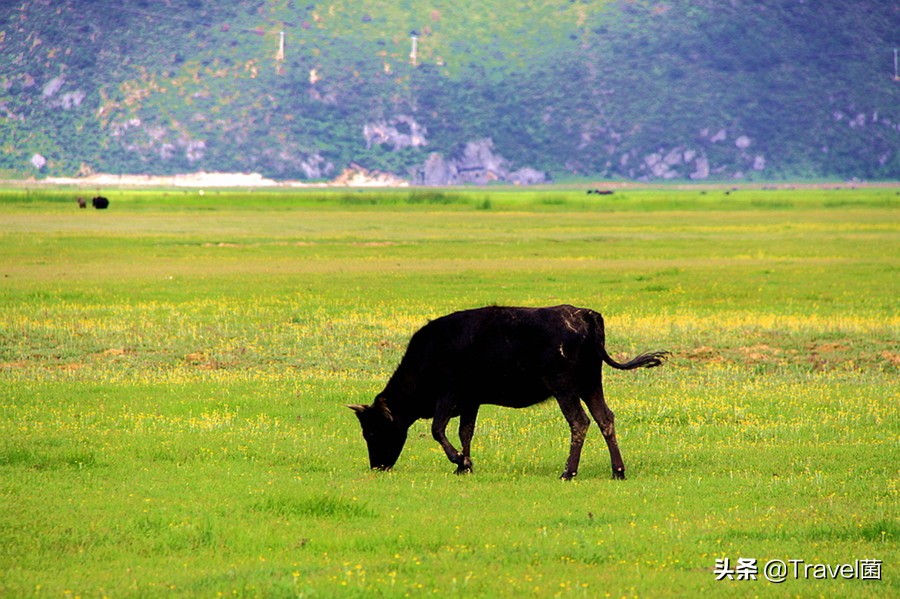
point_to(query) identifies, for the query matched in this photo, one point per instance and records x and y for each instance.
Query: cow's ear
(381, 403)
(359, 409)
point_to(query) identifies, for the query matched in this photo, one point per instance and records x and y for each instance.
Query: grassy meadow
(173, 374)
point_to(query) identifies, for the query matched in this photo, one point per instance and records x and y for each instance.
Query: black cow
(512, 357)
(100, 203)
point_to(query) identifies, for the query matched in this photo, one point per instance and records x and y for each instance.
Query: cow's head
(384, 436)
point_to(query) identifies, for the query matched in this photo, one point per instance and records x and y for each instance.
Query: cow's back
(497, 355)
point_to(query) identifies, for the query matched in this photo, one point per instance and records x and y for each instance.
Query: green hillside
(701, 90)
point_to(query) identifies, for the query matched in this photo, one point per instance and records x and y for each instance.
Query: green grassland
(173, 374)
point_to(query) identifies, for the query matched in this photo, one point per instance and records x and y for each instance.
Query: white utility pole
(280, 55)
(413, 54)
(896, 73)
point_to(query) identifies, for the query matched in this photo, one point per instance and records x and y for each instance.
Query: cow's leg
(442, 415)
(466, 430)
(606, 420)
(578, 423)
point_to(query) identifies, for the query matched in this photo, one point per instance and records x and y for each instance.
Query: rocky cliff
(476, 162)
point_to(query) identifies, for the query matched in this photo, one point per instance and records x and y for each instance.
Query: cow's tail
(645, 360)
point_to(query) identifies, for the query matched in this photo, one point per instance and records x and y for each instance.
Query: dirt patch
(829, 347)
(204, 361)
(891, 357)
(117, 351)
(196, 357)
(817, 356)
(704, 353)
(761, 352)
(12, 365)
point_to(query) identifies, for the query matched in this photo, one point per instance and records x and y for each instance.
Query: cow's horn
(359, 409)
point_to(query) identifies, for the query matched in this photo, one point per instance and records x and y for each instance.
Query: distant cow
(82, 203)
(512, 357)
(600, 192)
(100, 203)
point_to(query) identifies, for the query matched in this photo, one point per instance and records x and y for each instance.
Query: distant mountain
(443, 92)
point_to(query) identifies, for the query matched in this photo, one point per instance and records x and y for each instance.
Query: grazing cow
(82, 203)
(100, 203)
(512, 357)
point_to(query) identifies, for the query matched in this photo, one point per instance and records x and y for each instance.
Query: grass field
(173, 374)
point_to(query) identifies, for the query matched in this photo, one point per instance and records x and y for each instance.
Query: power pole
(413, 54)
(279, 56)
(896, 73)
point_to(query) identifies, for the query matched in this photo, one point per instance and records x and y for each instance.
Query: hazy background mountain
(499, 89)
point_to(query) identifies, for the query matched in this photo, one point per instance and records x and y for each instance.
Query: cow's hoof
(464, 464)
(568, 475)
(619, 474)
